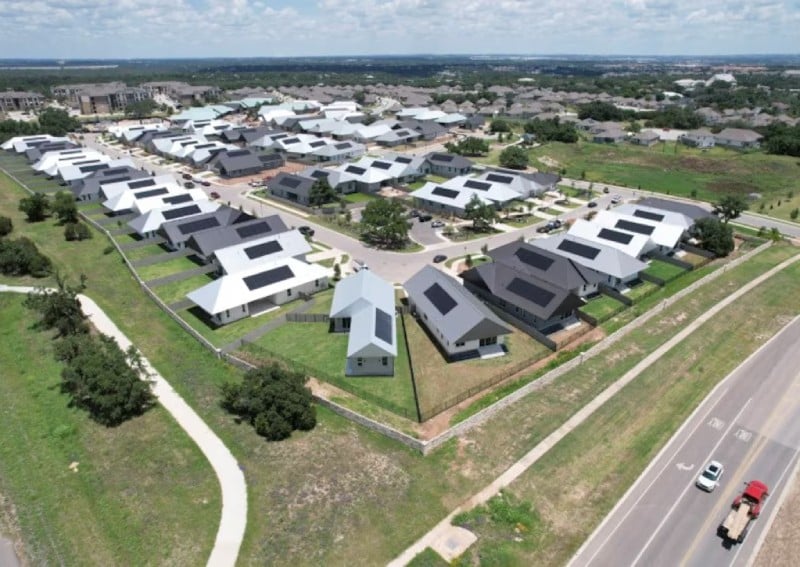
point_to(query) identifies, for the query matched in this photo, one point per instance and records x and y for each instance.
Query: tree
(64, 207)
(730, 207)
(57, 122)
(481, 214)
(76, 231)
(59, 309)
(101, 378)
(514, 157)
(714, 235)
(6, 226)
(273, 399)
(321, 193)
(552, 130)
(470, 146)
(36, 207)
(383, 224)
(499, 125)
(337, 272)
(19, 257)
(141, 109)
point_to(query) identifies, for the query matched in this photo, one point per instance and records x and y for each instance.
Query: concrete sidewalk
(444, 537)
(231, 478)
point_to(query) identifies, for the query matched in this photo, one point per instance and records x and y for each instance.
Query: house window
(316, 283)
(460, 343)
(227, 313)
(289, 293)
(488, 341)
(359, 361)
(346, 323)
(385, 361)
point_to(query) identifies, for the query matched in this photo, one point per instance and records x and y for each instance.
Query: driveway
(424, 233)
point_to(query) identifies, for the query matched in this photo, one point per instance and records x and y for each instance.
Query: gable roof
(292, 183)
(599, 257)
(270, 248)
(182, 229)
(463, 317)
(659, 233)
(630, 243)
(689, 210)
(367, 300)
(655, 214)
(207, 241)
(554, 269)
(443, 159)
(153, 219)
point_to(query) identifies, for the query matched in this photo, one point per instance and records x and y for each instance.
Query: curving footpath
(233, 519)
(453, 540)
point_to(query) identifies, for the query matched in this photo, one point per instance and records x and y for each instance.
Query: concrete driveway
(424, 233)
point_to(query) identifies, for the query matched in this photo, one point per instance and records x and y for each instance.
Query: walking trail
(233, 519)
(451, 541)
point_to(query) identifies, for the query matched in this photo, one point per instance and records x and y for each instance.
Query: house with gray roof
(397, 137)
(292, 187)
(462, 326)
(90, 188)
(363, 306)
(206, 242)
(700, 138)
(446, 165)
(645, 138)
(738, 138)
(178, 232)
(241, 162)
(35, 152)
(689, 210)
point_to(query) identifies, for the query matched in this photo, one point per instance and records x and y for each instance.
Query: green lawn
(167, 268)
(359, 197)
(602, 307)
(663, 270)
(414, 185)
(642, 290)
(176, 291)
(226, 334)
(142, 493)
(325, 353)
(144, 252)
(322, 302)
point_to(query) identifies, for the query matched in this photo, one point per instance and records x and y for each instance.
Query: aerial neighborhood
(496, 290)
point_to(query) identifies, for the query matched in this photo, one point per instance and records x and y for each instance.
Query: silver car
(709, 478)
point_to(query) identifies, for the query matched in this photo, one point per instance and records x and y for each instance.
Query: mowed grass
(587, 472)
(602, 307)
(679, 170)
(142, 494)
(176, 291)
(168, 268)
(664, 270)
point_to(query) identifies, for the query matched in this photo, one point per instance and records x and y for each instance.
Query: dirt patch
(729, 187)
(288, 167)
(9, 527)
(703, 165)
(549, 162)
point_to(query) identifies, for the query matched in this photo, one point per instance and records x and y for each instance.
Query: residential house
(113, 188)
(663, 237)
(292, 187)
(738, 138)
(446, 165)
(206, 242)
(645, 138)
(363, 306)
(34, 153)
(176, 233)
(147, 224)
(89, 188)
(700, 138)
(270, 248)
(461, 324)
(238, 163)
(608, 135)
(688, 210)
(21, 144)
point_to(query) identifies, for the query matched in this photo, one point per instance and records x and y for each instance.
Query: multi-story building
(20, 100)
(100, 98)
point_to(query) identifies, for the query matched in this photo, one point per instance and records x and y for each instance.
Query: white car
(709, 478)
(616, 199)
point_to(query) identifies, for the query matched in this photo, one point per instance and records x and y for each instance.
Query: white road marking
(716, 423)
(683, 467)
(743, 435)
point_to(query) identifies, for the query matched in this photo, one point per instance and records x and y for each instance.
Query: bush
(793, 215)
(6, 226)
(76, 231)
(20, 257)
(514, 157)
(36, 207)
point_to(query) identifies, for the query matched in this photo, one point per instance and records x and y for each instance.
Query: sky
(71, 29)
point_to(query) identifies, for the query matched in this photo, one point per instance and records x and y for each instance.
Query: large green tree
(383, 224)
(514, 157)
(57, 122)
(321, 193)
(481, 214)
(714, 235)
(6, 226)
(36, 207)
(20, 257)
(141, 109)
(64, 207)
(730, 207)
(499, 125)
(470, 146)
(273, 399)
(59, 308)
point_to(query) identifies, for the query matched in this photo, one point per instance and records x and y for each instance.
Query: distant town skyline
(73, 29)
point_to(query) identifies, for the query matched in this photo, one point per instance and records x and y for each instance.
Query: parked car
(425, 217)
(187, 176)
(709, 478)
(591, 204)
(214, 195)
(616, 199)
(437, 224)
(188, 184)
(439, 258)
(306, 230)
(605, 189)
(206, 183)
(544, 229)
(413, 213)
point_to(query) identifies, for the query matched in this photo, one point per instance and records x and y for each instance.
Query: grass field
(680, 170)
(359, 197)
(591, 468)
(664, 270)
(602, 307)
(176, 291)
(168, 268)
(142, 493)
(145, 252)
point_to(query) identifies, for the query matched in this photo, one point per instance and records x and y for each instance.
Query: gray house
(206, 242)
(291, 187)
(647, 138)
(90, 188)
(462, 326)
(178, 232)
(738, 138)
(446, 165)
(363, 306)
(238, 163)
(700, 138)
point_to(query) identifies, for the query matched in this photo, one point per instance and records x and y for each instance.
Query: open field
(587, 472)
(679, 170)
(142, 492)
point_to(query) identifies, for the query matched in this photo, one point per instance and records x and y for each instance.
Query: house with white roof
(258, 289)
(372, 132)
(655, 214)
(111, 190)
(370, 174)
(634, 245)
(397, 137)
(143, 200)
(21, 144)
(363, 306)
(51, 162)
(453, 195)
(271, 248)
(147, 224)
(663, 237)
(73, 174)
(130, 133)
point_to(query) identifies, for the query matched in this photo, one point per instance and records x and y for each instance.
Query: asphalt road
(751, 424)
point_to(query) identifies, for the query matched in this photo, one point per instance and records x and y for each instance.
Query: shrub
(793, 215)
(76, 231)
(6, 226)
(20, 257)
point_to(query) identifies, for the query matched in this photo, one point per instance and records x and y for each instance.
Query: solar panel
(442, 192)
(110, 180)
(506, 179)
(479, 185)
(265, 249)
(141, 183)
(182, 212)
(355, 169)
(198, 225)
(279, 136)
(401, 159)
(175, 199)
(189, 143)
(531, 292)
(636, 227)
(317, 144)
(440, 299)
(534, 259)
(85, 162)
(150, 193)
(291, 140)
(615, 235)
(253, 229)
(579, 249)
(381, 165)
(90, 168)
(320, 174)
(383, 326)
(444, 158)
(204, 146)
(648, 215)
(115, 170)
(268, 277)
(290, 182)
(343, 145)
(238, 153)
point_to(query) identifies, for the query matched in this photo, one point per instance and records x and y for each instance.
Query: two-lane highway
(751, 424)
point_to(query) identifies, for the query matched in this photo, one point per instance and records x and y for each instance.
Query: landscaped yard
(176, 291)
(144, 251)
(359, 197)
(663, 270)
(174, 266)
(642, 290)
(226, 334)
(602, 307)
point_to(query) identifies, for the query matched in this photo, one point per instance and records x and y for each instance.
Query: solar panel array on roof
(320, 174)
(343, 145)
(238, 153)
(96, 167)
(291, 140)
(279, 136)
(110, 180)
(268, 277)
(198, 225)
(182, 212)
(290, 182)
(85, 162)
(636, 227)
(115, 170)
(381, 165)
(265, 249)
(150, 193)
(355, 169)
(444, 158)
(204, 146)
(383, 326)
(318, 144)
(443, 192)
(402, 132)
(579, 249)
(648, 215)
(479, 185)
(189, 143)
(175, 199)
(253, 229)
(615, 235)
(440, 299)
(531, 292)
(141, 183)
(534, 259)
(499, 178)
